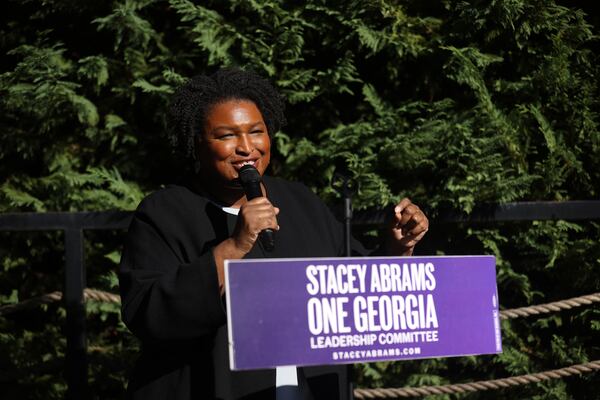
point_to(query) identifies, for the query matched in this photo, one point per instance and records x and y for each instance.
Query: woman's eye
(256, 132)
(225, 136)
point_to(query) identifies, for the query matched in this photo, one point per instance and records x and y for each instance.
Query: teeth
(246, 163)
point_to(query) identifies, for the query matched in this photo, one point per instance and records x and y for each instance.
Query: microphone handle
(267, 239)
(266, 236)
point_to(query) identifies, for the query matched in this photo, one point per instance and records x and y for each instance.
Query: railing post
(76, 367)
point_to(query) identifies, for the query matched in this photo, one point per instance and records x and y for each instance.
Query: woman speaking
(172, 269)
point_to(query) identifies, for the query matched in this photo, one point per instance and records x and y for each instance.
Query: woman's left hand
(407, 227)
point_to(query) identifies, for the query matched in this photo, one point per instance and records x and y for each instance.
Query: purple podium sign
(318, 311)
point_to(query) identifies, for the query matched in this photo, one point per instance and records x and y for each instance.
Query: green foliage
(455, 104)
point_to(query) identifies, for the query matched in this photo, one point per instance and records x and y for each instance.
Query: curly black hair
(194, 99)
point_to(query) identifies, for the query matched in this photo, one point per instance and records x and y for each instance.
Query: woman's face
(234, 134)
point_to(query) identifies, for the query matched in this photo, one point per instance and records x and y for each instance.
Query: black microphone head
(249, 174)
(250, 179)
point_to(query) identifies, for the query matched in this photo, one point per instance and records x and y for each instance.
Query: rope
(390, 393)
(394, 393)
(54, 297)
(48, 298)
(550, 307)
(99, 295)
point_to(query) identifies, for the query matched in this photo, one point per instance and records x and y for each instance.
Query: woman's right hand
(255, 216)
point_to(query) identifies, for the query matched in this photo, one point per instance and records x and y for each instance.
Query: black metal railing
(75, 223)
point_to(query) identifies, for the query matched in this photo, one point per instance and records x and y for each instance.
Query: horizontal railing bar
(535, 211)
(87, 220)
(518, 211)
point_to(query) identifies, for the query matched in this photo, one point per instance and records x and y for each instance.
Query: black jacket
(171, 300)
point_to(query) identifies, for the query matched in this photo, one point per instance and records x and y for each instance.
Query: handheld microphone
(251, 179)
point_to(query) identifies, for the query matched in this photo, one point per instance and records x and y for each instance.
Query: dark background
(455, 104)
